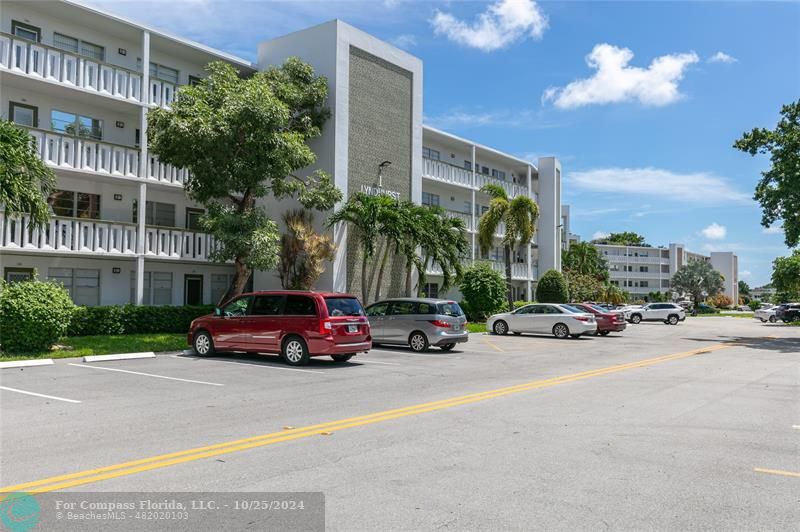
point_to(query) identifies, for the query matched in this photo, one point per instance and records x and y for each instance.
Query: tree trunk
(509, 295)
(364, 282)
(239, 281)
(384, 259)
(409, 273)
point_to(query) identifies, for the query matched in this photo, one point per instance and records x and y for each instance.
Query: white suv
(667, 312)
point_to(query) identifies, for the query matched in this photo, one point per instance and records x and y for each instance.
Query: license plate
(352, 328)
(456, 327)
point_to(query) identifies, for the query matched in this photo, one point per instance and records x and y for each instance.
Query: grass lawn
(725, 314)
(476, 327)
(78, 346)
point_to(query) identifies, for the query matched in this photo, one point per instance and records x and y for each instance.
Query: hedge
(33, 315)
(552, 288)
(132, 319)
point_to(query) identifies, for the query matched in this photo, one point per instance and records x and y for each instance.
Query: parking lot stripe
(270, 366)
(146, 374)
(165, 460)
(378, 362)
(39, 395)
(776, 472)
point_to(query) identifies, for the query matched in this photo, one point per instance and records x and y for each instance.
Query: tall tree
(585, 259)
(519, 217)
(697, 278)
(441, 240)
(242, 140)
(25, 180)
(744, 288)
(778, 191)
(628, 238)
(786, 275)
(304, 252)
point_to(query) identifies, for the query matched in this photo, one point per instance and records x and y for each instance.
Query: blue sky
(644, 132)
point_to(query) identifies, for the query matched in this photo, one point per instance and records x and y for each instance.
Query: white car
(766, 315)
(561, 321)
(669, 313)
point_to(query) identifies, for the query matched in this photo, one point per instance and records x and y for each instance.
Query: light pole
(381, 166)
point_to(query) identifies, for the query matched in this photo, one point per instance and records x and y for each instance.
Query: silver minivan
(417, 322)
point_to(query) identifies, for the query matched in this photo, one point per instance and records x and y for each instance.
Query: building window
(431, 290)
(24, 115)
(163, 73)
(430, 154)
(137, 137)
(468, 207)
(161, 214)
(430, 199)
(65, 42)
(468, 165)
(193, 218)
(26, 31)
(73, 204)
(643, 269)
(16, 275)
(615, 283)
(485, 170)
(80, 126)
(643, 284)
(71, 44)
(664, 283)
(194, 80)
(83, 285)
(498, 174)
(157, 288)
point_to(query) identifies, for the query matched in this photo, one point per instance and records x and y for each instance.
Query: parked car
(667, 312)
(766, 315)
(607, 321)
(418, 323)
(296, 324)
(544, 318)
(788, 312)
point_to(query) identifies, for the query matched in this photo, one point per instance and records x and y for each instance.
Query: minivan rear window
(344, 306)
(450, 308)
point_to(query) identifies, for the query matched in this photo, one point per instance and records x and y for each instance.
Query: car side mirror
(217, 311)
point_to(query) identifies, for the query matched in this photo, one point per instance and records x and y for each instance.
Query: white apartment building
(644, 269)
(74, 77)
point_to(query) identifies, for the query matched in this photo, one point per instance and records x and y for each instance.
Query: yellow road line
(492, 344)
(776, 472)
(165, 460)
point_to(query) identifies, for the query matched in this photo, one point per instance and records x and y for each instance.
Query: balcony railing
(94, 156)
(448, 173)
(463, 216)
(519, 271)
(512, 189)
(79, 235)
(46, 62)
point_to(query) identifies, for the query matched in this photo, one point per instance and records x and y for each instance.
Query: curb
(26, 363)
(121, 356)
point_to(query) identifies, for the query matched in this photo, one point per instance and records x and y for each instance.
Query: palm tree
(519, 216)
(442, 242)
(583, 257)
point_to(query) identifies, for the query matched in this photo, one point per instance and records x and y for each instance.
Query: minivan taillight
(325, 327)
(440, 323)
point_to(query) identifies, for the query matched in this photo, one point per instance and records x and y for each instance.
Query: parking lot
(688, 426)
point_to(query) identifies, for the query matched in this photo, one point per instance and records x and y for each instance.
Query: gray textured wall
(379, 130)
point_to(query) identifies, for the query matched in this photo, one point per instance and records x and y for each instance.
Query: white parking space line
(403, 353)
(270, 366)
(360, 360)
(39, 395)
(146, 374)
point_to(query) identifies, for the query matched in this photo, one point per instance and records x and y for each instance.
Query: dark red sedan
(606, 321)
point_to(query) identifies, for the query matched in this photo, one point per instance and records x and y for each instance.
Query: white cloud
(773, 230)
(698, 187)
(501, 24)
(616, 81)
(405, 41)
(522, 119)
(600, 234)
(745, 274)
(715, 231)
(722, 57)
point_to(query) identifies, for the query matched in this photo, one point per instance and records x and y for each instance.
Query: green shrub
(519, 304)
(484, 291)
(552, 288)
(132, 319)
(33, 315)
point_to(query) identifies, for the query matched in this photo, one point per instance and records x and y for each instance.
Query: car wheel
(418, 342)
(636, 318)
(341, 358)
(203, 344)
(560, 331)
(763, 320)
(604, 333)
(447, 347)
(500, 327)
(773, 319)
(673, 319)
(294, 351)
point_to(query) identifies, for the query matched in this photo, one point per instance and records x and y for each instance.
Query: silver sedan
(561, 321)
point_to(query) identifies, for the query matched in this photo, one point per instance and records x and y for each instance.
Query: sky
(641, 101)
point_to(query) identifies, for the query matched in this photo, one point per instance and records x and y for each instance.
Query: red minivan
(296, 324)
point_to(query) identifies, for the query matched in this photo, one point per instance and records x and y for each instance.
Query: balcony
(456, 175)
(519, 271)
(93, 156)
(462, 216)
(99, 237)
(44, 62)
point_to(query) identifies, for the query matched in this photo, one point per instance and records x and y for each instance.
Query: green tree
(613, 294)
(744, 288)
(304, 252)
(552, 288)
(484, 290)
(242, 140)
(778, 191)
(519, 217)
(584, 258)
(583, 287)
(786, 276)
(624, 239)
(25, 180)
(698, 279)
(441, 240)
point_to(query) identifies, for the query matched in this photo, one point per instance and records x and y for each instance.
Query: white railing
(162, 93)
(466, 217)
(447, 173)
(622, 259)
(89, 155)
(519, 271)
(512, 189)
(52, 64)
(80, 235)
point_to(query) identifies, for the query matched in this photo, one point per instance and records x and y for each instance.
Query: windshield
(343, 306)
(572, 309)
(450, 308)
